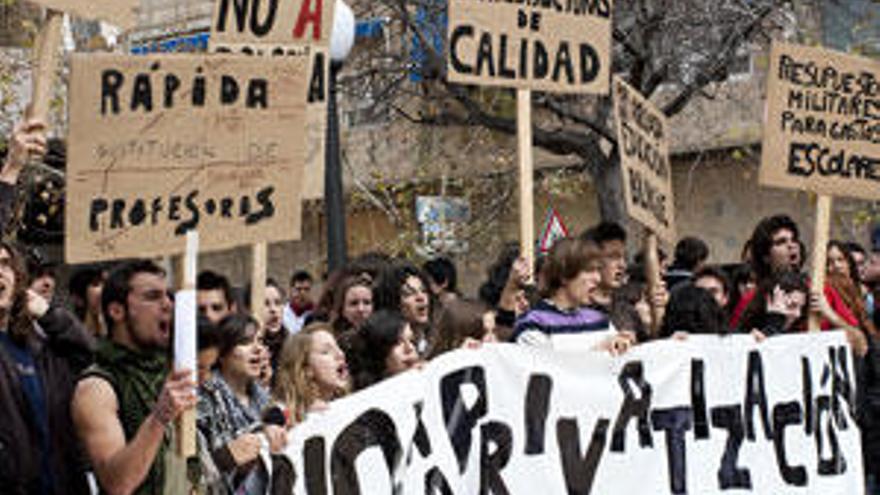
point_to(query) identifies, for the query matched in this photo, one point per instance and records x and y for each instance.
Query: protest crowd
(87, 392)
(645, 331)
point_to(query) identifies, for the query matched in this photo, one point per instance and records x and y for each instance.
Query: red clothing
(831, 295)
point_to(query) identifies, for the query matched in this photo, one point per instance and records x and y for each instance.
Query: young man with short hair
(125, 405)
(714, 281)
(300, 301)
(214, 296)
(610, 238)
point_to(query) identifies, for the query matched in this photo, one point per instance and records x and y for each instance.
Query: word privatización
(822, 409)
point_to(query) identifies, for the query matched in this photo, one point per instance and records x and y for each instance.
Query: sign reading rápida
(555, 46)
(164, 144)
(822, 122)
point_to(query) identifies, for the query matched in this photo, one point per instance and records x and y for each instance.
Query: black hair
(855, 247)
(37, 265)
(83, 277)
(689, 253)
(740, 273)
(604, 232)
(762, 242)
(442, 272)
(498, 273)
(233, 330)
(118, 284)
(789, 281)
(211, 280)
(300, 276)
(623, 312)
(371, 345)
(718, 274)
(693, 309)
(207, 334)
(387, 291)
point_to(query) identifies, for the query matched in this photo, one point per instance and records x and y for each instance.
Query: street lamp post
(341, 42)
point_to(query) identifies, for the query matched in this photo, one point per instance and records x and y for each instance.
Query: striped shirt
(545, 324)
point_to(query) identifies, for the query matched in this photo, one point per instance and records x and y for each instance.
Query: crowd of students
(89, 399)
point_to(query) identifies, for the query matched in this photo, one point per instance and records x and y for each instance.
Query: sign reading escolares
(562, 47)
(822, 122)
(164, 144)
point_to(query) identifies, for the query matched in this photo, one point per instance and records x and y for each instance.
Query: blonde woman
(312, 371)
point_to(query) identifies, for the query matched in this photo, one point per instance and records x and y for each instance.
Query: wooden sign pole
(652, 275)
(820, 254)
(526, 176)
(185, 344)
(258, 279)
(45, 63)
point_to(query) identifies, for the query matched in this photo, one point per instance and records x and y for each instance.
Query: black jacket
(869, 406)
(60, 347)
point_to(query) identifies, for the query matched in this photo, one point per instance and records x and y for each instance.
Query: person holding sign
(231, 407)
(776, 248)
(28, 142)
(125, 405)
(38, 360)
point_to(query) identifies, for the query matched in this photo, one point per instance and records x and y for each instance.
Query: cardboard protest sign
(559, 47)
(122, 13)
(822, 122)
(642, 140)
(709, 415)
(164, 144)
(272, 25)
(300, 28)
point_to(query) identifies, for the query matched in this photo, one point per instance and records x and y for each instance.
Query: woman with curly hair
(383, 347)
(405, 288)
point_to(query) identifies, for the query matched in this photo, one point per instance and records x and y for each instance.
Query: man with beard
(38, 360)
(124, 405)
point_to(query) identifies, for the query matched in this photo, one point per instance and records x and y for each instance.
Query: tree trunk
(609, 189)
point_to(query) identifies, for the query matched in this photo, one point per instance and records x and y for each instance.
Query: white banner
(708, 415)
